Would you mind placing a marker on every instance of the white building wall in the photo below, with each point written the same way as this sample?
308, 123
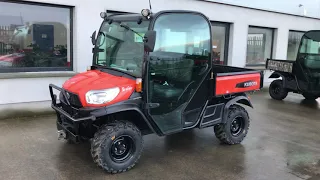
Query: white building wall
86, 19
238, 45
309, 8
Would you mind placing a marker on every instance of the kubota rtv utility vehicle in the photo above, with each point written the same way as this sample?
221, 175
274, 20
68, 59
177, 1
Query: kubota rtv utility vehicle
302, 75
151, 73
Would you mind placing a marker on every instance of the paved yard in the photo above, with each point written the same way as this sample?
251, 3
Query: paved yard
283, 143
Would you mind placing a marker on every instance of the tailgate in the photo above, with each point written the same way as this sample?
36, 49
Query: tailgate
280, 65
228, 84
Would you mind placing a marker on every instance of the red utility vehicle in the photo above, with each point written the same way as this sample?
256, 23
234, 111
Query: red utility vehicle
151, 73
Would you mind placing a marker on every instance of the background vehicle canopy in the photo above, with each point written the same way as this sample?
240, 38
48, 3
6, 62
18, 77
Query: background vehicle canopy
120, 48
309, 51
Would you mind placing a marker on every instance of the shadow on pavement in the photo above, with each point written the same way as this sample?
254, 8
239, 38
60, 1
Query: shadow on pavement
310, 103
183, 140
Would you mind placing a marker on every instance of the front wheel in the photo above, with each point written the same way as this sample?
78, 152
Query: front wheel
117, 147
236, 127
277, 91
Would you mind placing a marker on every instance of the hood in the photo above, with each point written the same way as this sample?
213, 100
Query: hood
81, 83
11, 57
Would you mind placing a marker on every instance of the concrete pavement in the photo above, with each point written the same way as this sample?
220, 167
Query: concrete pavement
283, 143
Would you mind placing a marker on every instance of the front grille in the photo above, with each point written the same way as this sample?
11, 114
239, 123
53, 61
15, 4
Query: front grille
73, 99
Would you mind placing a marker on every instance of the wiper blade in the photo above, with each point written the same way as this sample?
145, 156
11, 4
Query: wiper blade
114, 69
128, 28
107, 35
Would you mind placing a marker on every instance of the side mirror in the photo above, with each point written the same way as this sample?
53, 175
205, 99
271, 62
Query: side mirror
93, 38
149, 40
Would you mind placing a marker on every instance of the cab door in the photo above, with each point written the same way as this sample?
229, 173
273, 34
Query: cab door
178, 70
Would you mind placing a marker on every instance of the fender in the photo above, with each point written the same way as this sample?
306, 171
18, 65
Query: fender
276, 75
129, 105
239, 99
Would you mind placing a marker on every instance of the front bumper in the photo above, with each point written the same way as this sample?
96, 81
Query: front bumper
74, 122
78, 121
65, 108
68, 134
64, 113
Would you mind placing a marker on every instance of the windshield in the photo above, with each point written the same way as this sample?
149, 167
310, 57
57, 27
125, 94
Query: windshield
310, 50
121, 46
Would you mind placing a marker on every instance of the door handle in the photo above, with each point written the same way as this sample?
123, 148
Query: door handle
152, 105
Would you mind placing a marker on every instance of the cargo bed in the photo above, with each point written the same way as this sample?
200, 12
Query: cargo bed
231, 80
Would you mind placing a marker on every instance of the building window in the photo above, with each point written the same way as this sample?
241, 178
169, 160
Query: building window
35, 37
259, 46
293, 44
220, 40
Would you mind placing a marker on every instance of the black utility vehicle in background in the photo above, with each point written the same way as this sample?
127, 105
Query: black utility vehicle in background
301, 76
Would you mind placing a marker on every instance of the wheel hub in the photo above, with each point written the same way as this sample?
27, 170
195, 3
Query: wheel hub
276, 89
121, 148
237, 126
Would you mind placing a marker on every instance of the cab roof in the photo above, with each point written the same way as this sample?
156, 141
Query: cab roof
125, 17
138, 16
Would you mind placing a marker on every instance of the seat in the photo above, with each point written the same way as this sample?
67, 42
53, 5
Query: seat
312, 63
166, 91
177, 74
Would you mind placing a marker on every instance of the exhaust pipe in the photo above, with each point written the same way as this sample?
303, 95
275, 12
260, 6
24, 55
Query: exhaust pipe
62, 134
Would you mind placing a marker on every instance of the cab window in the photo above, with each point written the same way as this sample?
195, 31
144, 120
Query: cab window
309, 52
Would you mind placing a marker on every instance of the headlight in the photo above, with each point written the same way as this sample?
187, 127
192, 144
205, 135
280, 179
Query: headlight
101, 96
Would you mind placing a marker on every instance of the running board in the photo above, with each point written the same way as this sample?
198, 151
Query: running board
212, 115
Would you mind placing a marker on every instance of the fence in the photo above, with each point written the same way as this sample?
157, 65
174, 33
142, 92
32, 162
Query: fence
6, 33
255, 48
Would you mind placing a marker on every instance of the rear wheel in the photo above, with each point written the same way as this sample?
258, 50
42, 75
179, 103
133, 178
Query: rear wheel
117, 147
236, 127
277, 91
